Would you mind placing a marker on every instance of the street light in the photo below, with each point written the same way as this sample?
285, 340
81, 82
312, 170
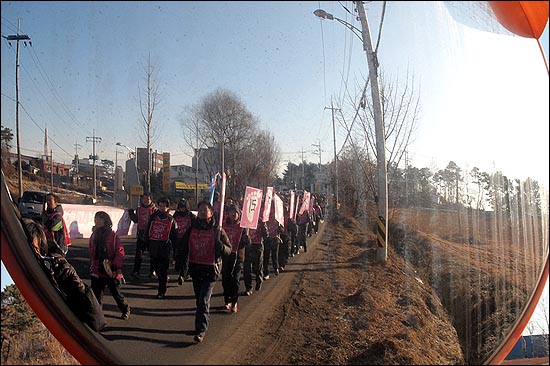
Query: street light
382, 178
131, 152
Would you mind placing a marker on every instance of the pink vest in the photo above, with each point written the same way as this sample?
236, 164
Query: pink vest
183, 224
160, 229
201, 247
144, 214
234, 232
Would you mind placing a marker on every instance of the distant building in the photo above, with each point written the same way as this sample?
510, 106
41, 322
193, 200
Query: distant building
530, 346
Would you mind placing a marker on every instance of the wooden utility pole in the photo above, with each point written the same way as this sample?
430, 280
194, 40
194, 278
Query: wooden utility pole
18, 37
381, 168
337, 201
93, 139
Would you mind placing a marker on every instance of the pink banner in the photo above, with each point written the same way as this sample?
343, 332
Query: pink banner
279, 209
251, 207
291, 211
267, 203
305, 202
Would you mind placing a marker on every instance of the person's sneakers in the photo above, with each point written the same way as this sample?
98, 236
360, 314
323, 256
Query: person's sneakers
248, 292
153, 275
276, 271
281, 269
258, 286
135, 275
227, 306
266, 277
160, 296
234, 308
126, 314
198, 338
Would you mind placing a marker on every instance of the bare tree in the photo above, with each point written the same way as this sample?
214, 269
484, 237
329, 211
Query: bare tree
222, 123
149, 99
401, 110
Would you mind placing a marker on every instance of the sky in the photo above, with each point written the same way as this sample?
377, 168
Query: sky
483, 95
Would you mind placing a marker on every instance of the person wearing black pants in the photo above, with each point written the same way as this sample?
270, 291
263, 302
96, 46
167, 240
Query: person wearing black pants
232, 265
161, 233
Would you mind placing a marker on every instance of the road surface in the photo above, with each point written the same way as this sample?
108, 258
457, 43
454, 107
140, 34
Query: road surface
159, 331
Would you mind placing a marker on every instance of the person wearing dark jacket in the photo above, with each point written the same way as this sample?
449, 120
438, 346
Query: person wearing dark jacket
161, 232
232, 265
184, 219
77, 295
55, 227
204, 245
106, 261
141, 216
254, 257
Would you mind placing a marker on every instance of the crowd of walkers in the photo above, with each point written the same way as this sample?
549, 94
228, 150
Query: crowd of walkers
202, 248
206, 248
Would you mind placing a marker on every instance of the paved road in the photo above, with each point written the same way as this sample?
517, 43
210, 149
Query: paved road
159, 331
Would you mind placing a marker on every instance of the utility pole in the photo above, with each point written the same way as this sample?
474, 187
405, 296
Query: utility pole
51, 169
76, 159
382, 173
337, 202
93, 139
318, 152
303, 171
18, 37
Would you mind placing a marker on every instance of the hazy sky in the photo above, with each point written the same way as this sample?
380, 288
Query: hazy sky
86, 66
484, 96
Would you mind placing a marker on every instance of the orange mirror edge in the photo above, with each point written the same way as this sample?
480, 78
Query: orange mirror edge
500, 354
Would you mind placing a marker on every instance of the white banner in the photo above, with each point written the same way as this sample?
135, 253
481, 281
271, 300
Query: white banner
267, 203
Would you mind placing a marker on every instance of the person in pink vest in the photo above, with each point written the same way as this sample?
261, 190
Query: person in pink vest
184, 219
232, 265
106, 261
141, 216
204, 245
160, 233
271, 246
254, 257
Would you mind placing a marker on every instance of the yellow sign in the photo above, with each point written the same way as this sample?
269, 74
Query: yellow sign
181, 185
136, 190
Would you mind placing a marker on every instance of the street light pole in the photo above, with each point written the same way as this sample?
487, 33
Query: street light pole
381, 168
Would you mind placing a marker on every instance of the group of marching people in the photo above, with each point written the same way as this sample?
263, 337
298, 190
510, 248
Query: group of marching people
206, 248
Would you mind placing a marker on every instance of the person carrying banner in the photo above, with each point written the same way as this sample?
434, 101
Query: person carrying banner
204, 245
302, 220
141, 216
271, 249
232, 265
284, 246
254, 254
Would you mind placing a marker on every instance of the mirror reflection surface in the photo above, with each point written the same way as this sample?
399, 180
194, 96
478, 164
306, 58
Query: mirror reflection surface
269, 89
